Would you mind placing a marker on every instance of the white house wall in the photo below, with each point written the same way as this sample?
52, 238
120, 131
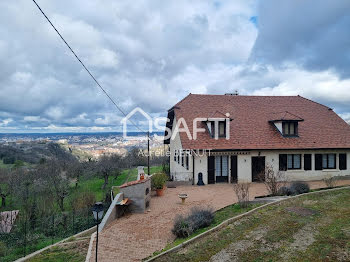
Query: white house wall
279, 126
201, 166
244, 165
177, 171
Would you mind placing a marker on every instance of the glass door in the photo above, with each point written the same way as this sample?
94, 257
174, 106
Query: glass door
221, 169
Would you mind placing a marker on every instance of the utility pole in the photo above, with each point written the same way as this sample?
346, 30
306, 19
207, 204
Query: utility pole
148, 153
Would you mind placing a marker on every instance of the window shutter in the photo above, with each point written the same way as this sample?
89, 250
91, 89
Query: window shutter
318, 161
342, 161
187, 161
307, 162
283, 162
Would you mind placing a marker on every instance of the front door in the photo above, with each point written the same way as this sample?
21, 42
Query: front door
258, 167
221, 169
211, 170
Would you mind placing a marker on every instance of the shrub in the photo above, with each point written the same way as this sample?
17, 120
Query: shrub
285, 191
18, 164
242, 193
158, 180
198, 218
182, 228
299, 188
330, 181
272, 180
201, 217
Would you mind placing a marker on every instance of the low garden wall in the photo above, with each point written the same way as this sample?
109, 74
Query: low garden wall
112, 212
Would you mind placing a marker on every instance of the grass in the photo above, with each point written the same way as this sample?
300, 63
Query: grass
2, 165
10, 166
275, 233
75, 252
17, 252
95, 184
220, 216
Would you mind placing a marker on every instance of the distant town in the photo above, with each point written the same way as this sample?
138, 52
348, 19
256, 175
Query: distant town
87, 145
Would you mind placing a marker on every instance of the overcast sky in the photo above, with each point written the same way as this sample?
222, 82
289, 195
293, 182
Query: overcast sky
151, 54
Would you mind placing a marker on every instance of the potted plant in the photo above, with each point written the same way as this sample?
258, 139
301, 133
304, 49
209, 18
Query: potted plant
158, 183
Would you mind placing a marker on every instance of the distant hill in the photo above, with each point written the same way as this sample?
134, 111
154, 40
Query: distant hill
32, 152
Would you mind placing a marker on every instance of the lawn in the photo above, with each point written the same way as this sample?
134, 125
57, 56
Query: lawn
74, 252
309, 228
220, 216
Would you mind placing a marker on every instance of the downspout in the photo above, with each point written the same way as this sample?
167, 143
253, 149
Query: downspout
193, 169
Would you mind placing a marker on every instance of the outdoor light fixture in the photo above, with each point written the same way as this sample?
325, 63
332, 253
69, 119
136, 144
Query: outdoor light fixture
97, 211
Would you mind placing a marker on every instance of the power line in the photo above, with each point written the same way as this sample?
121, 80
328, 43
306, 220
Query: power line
87, 70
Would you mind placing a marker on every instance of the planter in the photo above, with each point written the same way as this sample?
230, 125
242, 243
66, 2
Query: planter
160, 192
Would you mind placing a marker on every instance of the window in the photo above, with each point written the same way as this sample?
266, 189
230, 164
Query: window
290, 128
217, 166
221, 129
290, 161
307, 162
183, 158
325, 161
342, 161
175, 153
178, 157
328, 161
221, 166
294, 161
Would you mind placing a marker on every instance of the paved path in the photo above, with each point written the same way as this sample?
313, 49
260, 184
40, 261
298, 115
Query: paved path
137, 236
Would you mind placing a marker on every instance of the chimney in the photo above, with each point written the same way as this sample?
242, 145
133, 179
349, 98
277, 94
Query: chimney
232, 94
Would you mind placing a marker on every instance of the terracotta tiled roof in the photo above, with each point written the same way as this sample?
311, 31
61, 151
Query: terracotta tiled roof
279, 116
131, 183
251, 129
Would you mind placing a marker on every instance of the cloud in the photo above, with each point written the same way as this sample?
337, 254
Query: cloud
346, 117
152, 54
311, 33
5, 122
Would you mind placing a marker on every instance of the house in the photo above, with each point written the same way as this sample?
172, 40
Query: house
240, 135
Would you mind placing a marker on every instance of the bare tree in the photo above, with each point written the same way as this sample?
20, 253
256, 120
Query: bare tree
242, 192
330, 181
106, 166
55, 179
75, 170
273, 180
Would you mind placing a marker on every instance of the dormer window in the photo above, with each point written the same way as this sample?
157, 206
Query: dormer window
221, 128
290, 128
286, 123
218, 125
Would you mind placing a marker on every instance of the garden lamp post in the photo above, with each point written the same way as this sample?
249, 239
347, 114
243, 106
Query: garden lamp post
97, 211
